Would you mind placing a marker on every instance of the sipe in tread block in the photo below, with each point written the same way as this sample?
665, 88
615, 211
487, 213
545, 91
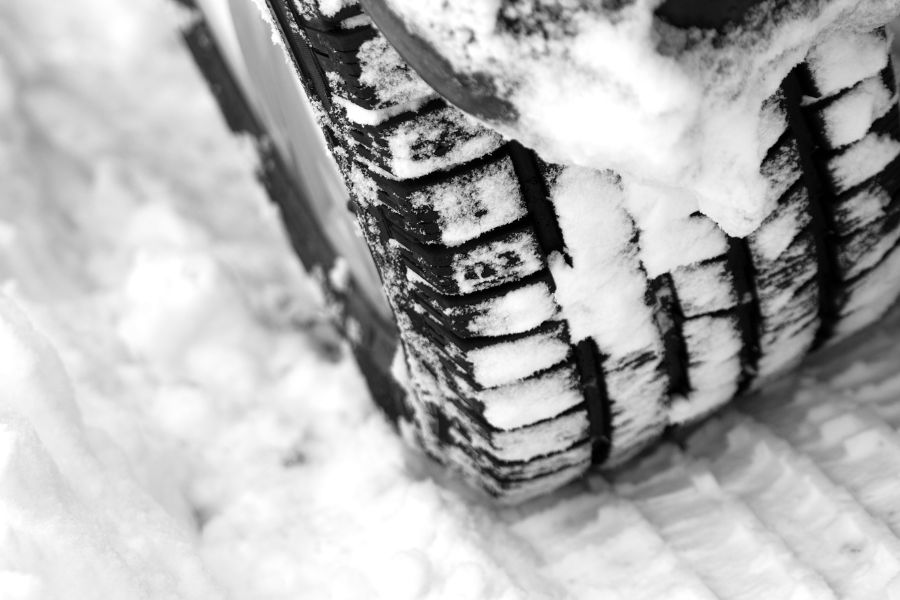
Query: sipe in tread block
476, 250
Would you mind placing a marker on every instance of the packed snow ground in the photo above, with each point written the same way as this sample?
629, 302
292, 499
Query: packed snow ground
177, 420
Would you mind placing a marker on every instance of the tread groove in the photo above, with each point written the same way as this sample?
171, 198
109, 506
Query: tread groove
549, 236
589, 363
537, 200
671, 324
822, 221
749, 317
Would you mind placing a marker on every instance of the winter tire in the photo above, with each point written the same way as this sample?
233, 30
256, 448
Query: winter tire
485, 364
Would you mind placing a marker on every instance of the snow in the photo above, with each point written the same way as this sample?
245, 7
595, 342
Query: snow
862, 160
393, 81
607, 86
704, 288
850, 117
507, 259
612, 311
544, 441
672, 236
782, 228
715, 369
397, 87
365, 116
474, 203
846, 57
411, 144
863, 207
517, 311
508, 362
520, 405
772, 122
178, 420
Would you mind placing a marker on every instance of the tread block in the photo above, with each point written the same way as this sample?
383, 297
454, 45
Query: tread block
518, 406
512, 449
774, 120
461, 206
789, 305
714, 346
864, 248
861, 208
429, 141
473, 365
845, 58
847, 117
867, 158
704, 287
385, 80
530, 401
374, 78
781, 167
784, 344
509, 361
513, 310
681, 242
791, 271
870, 295
638, 381
495, 458
778, 232
482, 265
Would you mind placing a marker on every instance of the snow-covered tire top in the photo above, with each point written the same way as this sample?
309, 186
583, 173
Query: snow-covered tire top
535, 339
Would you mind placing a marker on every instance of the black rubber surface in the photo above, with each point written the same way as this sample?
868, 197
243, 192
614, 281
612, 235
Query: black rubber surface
706, 14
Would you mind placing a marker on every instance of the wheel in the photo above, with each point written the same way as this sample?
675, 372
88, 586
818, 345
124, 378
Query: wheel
531, 336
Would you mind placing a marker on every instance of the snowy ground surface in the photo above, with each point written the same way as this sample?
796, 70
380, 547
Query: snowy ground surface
178, 421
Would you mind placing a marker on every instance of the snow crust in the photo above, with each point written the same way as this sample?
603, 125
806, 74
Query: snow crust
613, 88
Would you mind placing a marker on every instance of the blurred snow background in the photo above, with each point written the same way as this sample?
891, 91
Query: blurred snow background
177, 420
